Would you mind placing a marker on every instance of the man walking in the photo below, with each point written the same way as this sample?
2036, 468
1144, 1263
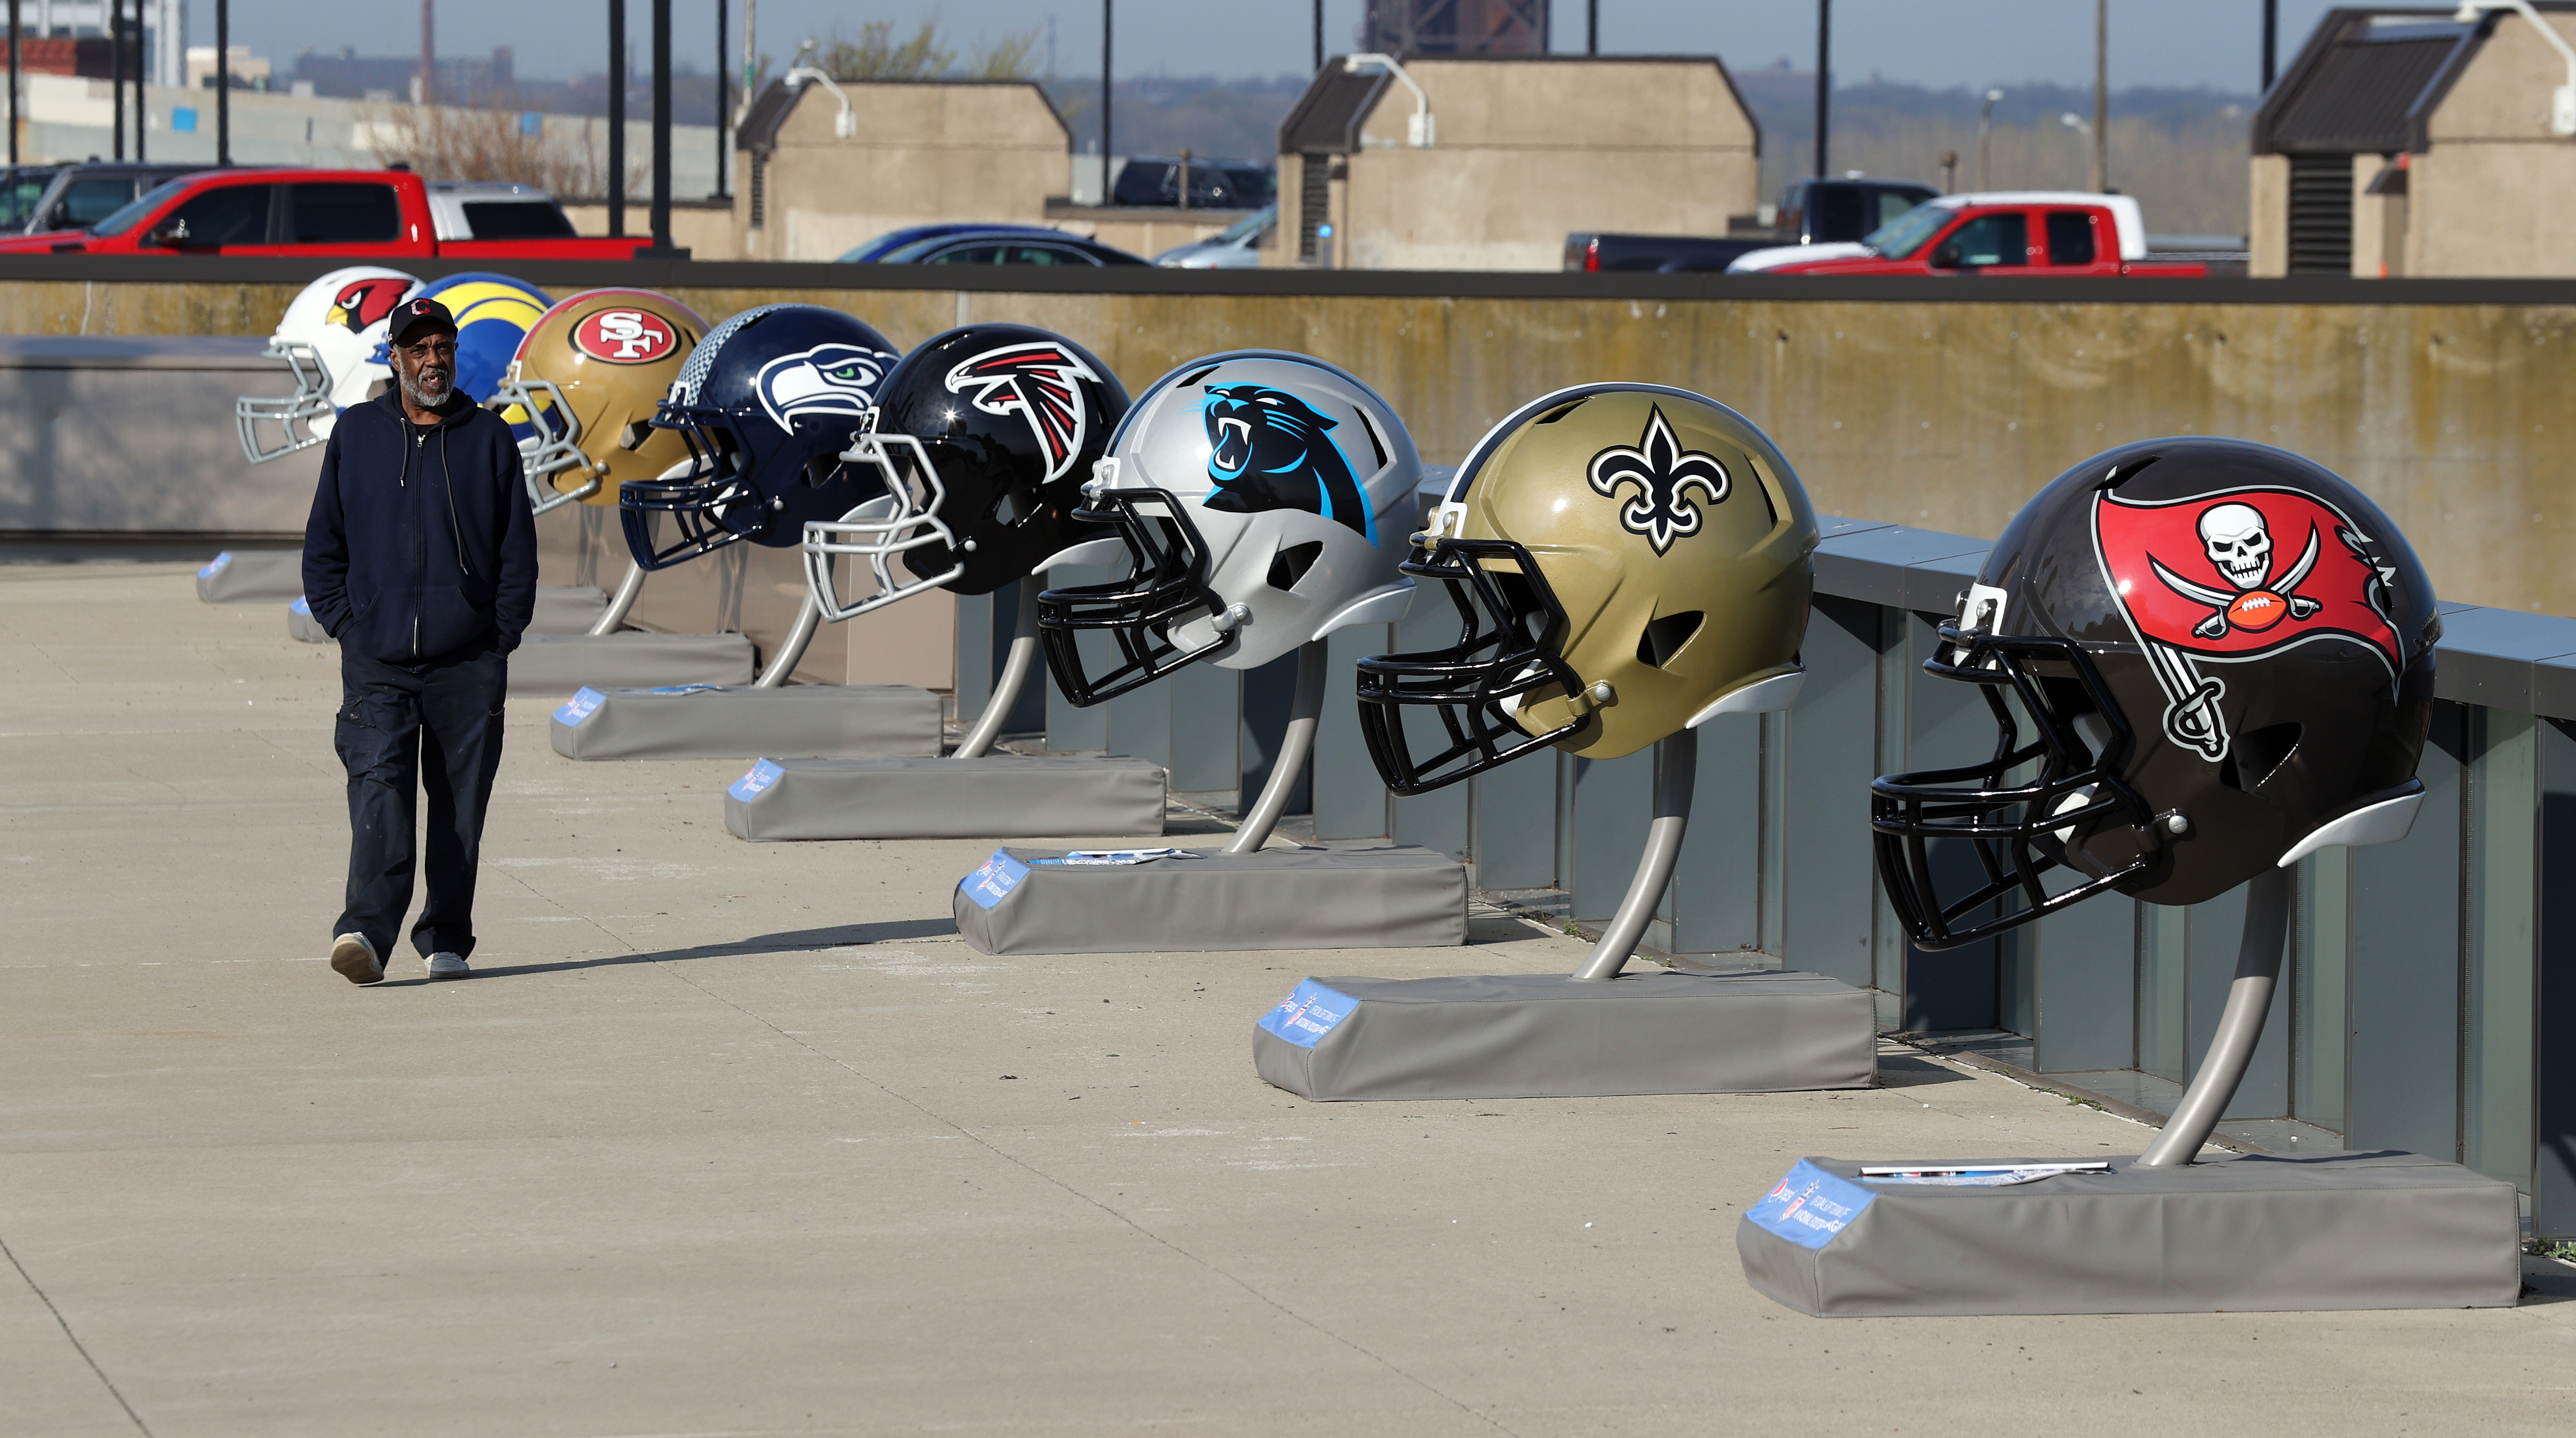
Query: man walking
421, 559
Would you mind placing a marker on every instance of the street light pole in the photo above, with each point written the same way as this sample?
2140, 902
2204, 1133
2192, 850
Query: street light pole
616, 119
1592, 27
662, 129
721, 86
2271, 39
1106, 17
1985, 142
2101, 95
1824, 76
223, 81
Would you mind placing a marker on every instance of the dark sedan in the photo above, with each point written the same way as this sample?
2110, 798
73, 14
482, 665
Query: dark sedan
986, 245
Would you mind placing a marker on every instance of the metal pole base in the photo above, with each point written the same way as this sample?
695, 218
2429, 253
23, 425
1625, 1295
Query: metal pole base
1015, 674
614, 617
791, 650
1294, 746
2240, 1024
1676, 774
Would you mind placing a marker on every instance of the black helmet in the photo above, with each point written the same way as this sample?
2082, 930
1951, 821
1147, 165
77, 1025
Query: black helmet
983, 437
2225, 655
767, 402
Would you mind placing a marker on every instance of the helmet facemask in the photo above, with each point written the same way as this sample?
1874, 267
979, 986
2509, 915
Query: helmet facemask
293, 415
1165, 587
706, 496
904, 519
554, 445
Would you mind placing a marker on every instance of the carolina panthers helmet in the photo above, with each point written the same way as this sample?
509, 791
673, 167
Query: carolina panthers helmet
1264, 501
493, 313
331, 338
984, 436
1627, 561
765, 405
2224, 653
588, 377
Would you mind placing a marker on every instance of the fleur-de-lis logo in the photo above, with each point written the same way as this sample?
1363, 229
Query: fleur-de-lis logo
1664, 473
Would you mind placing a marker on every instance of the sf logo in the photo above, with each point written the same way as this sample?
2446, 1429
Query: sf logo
631, 334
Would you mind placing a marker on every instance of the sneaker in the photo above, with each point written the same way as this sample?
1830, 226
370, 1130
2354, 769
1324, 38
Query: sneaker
356, 960
444, 965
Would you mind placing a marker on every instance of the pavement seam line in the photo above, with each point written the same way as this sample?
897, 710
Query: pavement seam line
77, 1346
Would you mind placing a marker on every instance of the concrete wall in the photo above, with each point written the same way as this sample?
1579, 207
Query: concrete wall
2268, 225
1526, 151
2496, 192
921, 153
705, 228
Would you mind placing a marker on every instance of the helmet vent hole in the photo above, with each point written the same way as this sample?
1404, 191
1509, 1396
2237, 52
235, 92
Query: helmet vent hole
1290, 565
1376, 445
1665, 637
1009, 508
2122, 473
1191, 381
1558, 413
2257, 755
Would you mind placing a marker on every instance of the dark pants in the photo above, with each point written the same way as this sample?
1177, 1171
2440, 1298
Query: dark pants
399, 731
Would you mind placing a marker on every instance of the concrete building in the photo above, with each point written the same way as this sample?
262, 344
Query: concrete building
1496, 159
824, 166
2409, 142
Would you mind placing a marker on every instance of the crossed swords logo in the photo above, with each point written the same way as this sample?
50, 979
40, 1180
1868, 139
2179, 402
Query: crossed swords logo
2239, 545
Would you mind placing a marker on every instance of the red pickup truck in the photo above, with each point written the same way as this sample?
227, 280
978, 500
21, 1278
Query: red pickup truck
2024, 233
357, 214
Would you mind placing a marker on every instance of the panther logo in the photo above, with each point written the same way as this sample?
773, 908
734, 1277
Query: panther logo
1664, 474
1037, 382
1268, 449
362, 304
827, 379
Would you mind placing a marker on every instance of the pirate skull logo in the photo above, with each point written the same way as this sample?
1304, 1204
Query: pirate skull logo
2238, 541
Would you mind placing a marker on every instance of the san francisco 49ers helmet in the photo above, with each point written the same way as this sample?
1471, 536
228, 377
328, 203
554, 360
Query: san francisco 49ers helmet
587, 379
2224, 654
1264, 499
765, 405
331, 337
1627, 561
984, 437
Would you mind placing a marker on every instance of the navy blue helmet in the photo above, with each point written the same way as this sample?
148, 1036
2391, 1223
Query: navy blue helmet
767, 402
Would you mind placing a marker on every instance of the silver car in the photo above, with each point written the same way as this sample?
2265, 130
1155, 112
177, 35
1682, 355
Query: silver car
1236, 248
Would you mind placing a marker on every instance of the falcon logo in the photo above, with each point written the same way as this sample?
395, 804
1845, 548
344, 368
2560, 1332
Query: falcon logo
1035, 381
827, 379
1268, 449
363, 304
625, 336
1664, 474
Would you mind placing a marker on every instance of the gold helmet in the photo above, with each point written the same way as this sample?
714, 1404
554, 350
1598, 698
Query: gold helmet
584, 382
1628, 561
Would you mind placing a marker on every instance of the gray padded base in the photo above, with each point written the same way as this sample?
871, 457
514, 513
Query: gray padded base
302, 627
561, 609
562, 663
1548, 1036
238, 576
828, 721
2261, 1232
999, 796
1391, 898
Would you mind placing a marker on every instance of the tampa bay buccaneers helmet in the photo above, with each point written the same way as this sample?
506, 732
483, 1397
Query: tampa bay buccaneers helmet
2224, 654
331, 337
1264, 500
587, 379
1627, 561
764, 405
983, 437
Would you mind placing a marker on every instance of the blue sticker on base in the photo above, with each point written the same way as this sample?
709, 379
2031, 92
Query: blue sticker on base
683, 688
584, 702
756, 783
217, 567
1810, 1206
992, 883
300, 607
1308, 1014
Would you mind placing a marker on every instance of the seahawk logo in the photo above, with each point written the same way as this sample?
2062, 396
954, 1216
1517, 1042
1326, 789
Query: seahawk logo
827, 379
1037, 382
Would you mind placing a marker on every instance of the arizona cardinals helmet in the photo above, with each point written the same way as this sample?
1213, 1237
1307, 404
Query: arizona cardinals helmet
588, 377
2224, 653
1264, 501
331, 337
1627, 561
984, 437
765, 405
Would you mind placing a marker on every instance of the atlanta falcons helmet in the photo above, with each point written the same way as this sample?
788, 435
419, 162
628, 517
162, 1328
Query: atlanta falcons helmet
1627, 561
764, 405
587, 379
331, 338
984, 437
1264, 500
2224, 656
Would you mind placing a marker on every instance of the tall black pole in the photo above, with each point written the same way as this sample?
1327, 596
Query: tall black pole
1824, 76
116, 68
13, 81
1319, 34
662, 127
2271, 39
141, 111
223, 81
1106, 6
616, 118
1592, 27
721, 86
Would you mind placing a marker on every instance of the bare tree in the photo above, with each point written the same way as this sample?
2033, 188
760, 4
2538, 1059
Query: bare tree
496, 141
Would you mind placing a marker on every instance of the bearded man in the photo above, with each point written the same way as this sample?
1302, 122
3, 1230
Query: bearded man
421, 559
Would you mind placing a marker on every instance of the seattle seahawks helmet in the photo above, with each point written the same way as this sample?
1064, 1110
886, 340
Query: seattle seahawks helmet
590, 370
1264, 500
332, 338
984, 437
766, 404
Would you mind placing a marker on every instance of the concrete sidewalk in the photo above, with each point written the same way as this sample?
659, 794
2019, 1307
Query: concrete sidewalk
727, 1138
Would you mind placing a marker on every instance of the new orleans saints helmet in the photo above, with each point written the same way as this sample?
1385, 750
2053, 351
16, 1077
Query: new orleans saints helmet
1627, 561
586, 381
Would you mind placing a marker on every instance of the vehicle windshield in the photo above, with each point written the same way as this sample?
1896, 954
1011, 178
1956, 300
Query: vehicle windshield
133, 214
1908, 232
1249, 226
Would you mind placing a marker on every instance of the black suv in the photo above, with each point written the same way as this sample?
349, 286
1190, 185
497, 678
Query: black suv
37, 199
1151, 180
1817, 212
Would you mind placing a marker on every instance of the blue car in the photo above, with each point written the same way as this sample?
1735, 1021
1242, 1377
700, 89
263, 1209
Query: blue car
985, 245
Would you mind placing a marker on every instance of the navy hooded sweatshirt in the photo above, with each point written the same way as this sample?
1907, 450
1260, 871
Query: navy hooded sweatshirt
421, 545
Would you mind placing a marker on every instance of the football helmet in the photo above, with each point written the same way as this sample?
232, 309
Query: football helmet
332, 337
764, 405
1264, 500
984, 437
587, 379
1627, 561
493, 313
2224, 654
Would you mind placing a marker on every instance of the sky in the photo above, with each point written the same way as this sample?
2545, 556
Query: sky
1962, 43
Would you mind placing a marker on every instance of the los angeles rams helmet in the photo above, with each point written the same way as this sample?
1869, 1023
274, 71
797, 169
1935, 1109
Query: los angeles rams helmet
331, 337
588, 377
493, 313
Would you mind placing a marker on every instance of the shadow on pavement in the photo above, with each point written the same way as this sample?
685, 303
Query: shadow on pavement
789, 942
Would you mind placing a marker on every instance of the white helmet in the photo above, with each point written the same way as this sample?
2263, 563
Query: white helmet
328, 337
1265, 500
